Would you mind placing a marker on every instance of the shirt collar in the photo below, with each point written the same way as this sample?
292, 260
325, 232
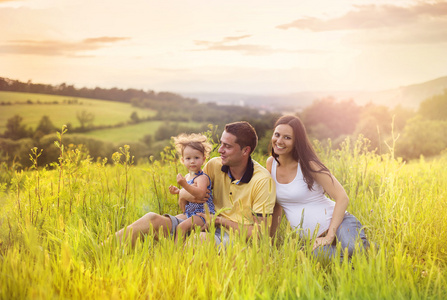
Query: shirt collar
247, 175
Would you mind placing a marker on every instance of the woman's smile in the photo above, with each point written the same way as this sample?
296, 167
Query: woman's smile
282, 139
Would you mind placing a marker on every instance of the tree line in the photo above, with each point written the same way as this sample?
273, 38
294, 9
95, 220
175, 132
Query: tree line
404, 132
407, 133
112, 94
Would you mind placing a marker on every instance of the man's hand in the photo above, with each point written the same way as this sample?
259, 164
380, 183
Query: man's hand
186, 196
209, 218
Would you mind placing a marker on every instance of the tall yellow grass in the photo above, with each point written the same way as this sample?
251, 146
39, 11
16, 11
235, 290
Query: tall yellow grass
54, 251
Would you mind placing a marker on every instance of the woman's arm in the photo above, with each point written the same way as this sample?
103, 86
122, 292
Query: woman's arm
336, 191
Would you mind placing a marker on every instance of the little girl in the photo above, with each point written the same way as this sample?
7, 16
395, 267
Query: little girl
194, 149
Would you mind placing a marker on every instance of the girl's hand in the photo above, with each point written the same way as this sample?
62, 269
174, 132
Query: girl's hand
181, 180
174, 190
322, 241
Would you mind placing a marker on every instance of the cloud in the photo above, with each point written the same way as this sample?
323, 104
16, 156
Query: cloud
104, 39
373, 16
427, 34
228, 44
235, 38
58, 48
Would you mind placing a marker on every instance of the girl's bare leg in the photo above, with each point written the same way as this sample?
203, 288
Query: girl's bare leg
188, 225
144, 225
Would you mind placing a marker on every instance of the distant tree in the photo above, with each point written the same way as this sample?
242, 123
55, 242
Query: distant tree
45, 126
16, 151
85, 118
374, 124
15, 130
134, 117
422, 137
147, 139
330, 118
401, 116
435, 108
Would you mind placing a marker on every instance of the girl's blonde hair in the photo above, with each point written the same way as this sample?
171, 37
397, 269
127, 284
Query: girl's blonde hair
196, 141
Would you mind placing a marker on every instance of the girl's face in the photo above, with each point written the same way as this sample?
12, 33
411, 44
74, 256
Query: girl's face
283, 139
193, 159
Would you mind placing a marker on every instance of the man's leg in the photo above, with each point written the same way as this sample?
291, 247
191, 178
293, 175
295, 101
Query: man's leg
143, 226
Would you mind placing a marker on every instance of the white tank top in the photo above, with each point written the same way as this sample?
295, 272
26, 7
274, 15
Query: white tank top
310, 211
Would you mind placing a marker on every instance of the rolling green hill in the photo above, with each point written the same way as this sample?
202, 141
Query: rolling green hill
131, 133
63, 110
112, 126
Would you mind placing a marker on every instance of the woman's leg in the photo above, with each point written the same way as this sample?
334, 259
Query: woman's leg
143, 225
348, 233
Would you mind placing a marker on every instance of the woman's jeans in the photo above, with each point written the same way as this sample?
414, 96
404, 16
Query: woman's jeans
348, 233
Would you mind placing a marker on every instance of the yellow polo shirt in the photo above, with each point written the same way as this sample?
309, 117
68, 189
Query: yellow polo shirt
254, 194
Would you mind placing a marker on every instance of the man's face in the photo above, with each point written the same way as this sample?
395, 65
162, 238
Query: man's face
230, 152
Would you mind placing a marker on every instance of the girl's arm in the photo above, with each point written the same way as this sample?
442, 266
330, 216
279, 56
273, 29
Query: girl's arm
336, 191
199, 190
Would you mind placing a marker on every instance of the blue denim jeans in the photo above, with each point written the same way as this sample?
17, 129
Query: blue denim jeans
348, 233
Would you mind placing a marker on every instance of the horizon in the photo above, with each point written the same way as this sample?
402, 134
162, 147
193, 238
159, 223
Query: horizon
251, 48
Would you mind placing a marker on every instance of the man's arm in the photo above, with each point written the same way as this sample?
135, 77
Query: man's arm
228, 224
198, 189
185, 196
259, 222
276, 219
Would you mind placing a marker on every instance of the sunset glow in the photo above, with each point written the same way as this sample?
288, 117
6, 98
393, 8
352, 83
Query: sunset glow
224, 46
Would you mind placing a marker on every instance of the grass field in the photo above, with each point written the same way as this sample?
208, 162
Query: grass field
53, 223
132, 132
105, 112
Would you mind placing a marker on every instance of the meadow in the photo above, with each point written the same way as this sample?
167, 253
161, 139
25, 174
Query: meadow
54, 220
134, 132
64, 109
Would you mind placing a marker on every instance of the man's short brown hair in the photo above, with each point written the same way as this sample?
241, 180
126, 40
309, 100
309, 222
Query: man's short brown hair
245, 134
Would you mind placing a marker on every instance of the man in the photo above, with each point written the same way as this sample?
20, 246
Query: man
241, 186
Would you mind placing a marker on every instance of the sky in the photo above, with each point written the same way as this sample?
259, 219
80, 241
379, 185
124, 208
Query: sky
231, 46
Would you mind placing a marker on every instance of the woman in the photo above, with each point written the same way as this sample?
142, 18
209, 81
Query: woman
301, 181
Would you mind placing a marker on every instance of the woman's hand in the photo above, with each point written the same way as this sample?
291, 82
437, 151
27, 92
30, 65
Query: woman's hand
322, 241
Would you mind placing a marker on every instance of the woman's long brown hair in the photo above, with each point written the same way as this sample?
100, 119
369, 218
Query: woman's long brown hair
302, 152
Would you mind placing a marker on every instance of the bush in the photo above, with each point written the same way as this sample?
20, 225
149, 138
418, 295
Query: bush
16, 151
422, 137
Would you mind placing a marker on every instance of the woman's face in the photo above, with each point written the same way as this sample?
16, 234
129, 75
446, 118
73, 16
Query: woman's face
283, 139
